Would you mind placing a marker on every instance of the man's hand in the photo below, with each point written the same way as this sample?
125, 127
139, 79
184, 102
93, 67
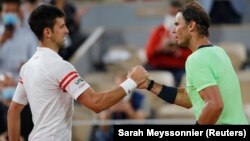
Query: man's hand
144, 85
138, 74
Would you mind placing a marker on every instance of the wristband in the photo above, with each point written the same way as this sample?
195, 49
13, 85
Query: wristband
168, 94
128, 85
151, 84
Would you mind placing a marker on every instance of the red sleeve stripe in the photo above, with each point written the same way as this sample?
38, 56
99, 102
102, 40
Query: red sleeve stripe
72, 78
66, 77
21, 80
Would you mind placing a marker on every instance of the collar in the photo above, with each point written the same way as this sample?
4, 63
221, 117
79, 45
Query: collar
49, 51
202, 46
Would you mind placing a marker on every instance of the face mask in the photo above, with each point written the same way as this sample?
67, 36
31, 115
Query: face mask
8, 93
10, 18
169, 22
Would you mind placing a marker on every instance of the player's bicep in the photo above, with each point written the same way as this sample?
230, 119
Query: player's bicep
88, 98
75, 86
69, 80
211, 93
17, 107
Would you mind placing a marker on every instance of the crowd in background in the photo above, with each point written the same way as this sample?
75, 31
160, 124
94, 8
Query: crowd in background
18, 44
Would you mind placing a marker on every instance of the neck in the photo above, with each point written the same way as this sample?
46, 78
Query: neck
199, 41
49, 45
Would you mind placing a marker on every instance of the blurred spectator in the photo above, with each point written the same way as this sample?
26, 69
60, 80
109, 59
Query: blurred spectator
133, 106
27, 7
73, 16
225, 11
7, 89
171, 11
162, 51
6, 92
1, 22
17, 44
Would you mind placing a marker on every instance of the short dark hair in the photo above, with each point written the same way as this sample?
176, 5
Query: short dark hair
42, 17
194, 12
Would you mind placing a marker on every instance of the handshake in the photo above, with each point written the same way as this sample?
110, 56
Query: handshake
140, 76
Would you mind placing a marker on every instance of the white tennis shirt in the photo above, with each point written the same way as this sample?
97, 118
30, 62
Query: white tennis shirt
48, 83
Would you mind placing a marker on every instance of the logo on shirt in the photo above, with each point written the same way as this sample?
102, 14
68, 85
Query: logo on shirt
78, 81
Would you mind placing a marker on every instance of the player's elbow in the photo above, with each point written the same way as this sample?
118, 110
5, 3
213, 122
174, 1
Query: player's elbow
92, 105
218, 107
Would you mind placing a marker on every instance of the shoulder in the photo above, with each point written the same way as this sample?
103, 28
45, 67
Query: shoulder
23, 68
62, 65
60, 69
195, 59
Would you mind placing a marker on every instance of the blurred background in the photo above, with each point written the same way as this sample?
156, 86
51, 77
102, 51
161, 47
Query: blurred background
111, 36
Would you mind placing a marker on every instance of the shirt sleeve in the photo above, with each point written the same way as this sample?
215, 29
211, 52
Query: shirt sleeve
199, 73
20, 93
70, 81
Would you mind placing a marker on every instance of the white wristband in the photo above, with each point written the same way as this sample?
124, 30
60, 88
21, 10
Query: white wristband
128, 85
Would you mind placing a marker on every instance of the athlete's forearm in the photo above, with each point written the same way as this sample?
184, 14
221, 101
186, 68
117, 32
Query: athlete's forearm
14, 124
101, 101
181, 98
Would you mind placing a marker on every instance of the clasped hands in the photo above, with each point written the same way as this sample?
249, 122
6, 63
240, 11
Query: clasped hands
140, 76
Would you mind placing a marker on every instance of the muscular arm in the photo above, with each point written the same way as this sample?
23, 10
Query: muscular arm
213, 107
181, 99
14, 121
101, 101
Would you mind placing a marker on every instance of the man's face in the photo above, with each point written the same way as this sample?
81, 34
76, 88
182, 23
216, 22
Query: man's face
10, 13
181, 31
60, 31
10, 8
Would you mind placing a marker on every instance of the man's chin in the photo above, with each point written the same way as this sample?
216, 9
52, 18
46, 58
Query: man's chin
182, 45
62, 46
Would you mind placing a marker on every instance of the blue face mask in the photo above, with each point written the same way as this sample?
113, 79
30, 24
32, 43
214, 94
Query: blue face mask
8, 93
10, 18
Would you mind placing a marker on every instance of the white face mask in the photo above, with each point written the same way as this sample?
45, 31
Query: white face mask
10, 18
169, 22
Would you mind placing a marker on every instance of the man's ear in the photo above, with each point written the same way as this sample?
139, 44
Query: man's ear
192, 25
47, 32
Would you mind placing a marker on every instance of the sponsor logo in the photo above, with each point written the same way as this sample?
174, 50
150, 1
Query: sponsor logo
78, 81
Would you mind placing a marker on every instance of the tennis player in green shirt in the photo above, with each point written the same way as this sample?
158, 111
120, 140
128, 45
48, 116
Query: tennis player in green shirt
212, 89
